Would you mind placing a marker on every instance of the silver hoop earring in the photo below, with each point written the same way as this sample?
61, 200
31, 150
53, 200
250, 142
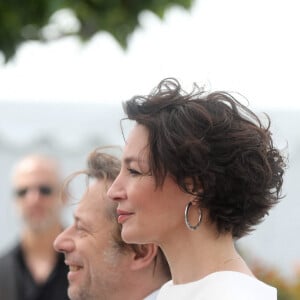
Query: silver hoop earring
186, 217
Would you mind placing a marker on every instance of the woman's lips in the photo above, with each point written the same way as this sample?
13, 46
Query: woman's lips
123, 215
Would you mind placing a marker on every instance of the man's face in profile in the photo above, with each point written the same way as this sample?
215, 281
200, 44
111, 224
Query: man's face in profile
92, 255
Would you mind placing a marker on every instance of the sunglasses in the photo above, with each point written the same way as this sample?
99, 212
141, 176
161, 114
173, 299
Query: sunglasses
44, 190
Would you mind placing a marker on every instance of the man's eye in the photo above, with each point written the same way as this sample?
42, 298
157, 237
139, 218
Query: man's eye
81, 231
79, 228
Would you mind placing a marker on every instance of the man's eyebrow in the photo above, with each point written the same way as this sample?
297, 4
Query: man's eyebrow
77, 218
81, 221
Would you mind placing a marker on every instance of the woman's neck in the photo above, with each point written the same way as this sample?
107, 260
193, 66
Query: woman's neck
192, 255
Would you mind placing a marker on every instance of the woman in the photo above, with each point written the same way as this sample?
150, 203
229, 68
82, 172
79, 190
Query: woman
198, 172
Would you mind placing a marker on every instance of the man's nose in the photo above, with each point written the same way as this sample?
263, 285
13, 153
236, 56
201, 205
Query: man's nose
33, 195
64, 242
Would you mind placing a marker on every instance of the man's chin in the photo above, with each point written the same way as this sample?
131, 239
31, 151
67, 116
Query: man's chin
76, 293
73, 293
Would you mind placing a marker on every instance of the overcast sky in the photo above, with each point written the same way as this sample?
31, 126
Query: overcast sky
248, 46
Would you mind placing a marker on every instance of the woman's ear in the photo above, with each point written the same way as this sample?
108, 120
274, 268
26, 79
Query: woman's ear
144, 256
192, 186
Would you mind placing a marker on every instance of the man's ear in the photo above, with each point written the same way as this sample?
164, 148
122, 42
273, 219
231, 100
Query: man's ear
144, 257
63, 195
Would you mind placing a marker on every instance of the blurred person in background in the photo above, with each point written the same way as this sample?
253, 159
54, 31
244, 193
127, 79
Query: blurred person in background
32, 269
101, 265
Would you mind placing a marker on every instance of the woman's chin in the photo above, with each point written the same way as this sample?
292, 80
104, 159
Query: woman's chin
130, 236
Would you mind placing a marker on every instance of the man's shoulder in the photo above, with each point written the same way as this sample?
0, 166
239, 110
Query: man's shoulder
8, 281
8, 256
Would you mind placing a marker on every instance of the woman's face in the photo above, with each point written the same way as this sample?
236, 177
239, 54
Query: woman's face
147, 214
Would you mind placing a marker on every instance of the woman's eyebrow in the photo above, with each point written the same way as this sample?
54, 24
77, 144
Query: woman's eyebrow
129, 159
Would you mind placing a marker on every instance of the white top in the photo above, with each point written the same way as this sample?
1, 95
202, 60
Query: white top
152, 296
225, 285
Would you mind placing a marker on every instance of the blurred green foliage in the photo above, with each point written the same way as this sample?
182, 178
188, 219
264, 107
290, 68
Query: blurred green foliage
23, 20
287, 288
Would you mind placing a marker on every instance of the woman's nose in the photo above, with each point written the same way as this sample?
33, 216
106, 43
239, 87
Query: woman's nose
116, 192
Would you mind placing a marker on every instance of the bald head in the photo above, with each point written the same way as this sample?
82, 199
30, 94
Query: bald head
35, 162
36, 182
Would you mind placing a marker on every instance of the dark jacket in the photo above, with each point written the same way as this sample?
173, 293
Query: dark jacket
16, 282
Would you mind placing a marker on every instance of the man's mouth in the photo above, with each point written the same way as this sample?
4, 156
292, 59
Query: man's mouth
73, 272
74, 268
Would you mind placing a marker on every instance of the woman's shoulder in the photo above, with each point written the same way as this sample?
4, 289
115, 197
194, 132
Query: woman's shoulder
220, 286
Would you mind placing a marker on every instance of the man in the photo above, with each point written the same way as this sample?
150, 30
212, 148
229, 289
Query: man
32, 270
101, 265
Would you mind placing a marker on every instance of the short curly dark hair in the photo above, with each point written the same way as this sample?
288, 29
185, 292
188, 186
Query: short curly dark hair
218, 143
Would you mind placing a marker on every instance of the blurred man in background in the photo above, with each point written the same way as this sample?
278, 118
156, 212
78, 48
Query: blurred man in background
102, 266
32, 270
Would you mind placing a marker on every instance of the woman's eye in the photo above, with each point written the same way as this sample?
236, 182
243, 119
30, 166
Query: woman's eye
133, 171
